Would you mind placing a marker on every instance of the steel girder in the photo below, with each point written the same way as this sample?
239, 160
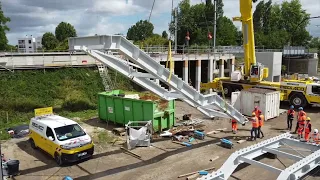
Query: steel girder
302, 166
182, 90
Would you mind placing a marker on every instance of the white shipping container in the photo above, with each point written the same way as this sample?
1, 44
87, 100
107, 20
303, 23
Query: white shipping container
268, 102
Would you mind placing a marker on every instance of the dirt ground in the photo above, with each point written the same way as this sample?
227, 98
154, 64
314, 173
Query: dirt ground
164, 160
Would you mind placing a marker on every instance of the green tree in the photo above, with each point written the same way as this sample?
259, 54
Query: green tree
154, 40
165, 35
198, 20
49, 41
226, 32
140, 31
258, 16
315, 42
293, 21
65, 30
3, 28
277, 25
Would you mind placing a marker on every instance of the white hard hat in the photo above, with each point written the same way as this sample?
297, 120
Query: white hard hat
315, 131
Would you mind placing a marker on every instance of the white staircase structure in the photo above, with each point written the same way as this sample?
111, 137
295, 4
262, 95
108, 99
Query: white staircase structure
99, 47
281, 145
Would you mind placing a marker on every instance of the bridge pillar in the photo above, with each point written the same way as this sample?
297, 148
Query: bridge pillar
221, 68
210, 71
198, 75
185, 71
231, 65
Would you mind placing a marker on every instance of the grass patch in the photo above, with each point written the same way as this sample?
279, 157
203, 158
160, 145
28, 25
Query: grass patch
72, 92
104, 137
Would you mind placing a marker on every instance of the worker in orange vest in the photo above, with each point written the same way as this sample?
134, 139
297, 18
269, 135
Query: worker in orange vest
290, 117
255, 126
307, 129
315, 136
302, 116
234, 126
257, 111
261, 123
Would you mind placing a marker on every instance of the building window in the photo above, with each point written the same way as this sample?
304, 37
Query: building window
30, 47
21, 42
29, 41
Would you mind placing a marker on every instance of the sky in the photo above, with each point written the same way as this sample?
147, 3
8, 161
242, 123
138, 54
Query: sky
89, 17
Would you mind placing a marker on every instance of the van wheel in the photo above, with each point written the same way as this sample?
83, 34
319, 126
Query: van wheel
58, 159
33, 145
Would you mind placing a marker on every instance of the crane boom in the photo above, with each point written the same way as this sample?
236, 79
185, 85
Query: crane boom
248, 34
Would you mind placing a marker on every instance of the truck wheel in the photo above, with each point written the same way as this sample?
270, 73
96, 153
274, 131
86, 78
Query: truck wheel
58, 159
298, 100
33, 145
227, 90
237, 88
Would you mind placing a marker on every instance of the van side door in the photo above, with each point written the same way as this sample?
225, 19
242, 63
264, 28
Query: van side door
50, 145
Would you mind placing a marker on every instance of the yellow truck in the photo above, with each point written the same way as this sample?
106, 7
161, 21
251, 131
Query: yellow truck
299, 93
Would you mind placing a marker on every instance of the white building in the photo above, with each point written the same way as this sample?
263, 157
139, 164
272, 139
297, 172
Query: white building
29, 44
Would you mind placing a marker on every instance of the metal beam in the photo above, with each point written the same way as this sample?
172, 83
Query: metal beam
260, 164
142, 75
296, 171
281, 153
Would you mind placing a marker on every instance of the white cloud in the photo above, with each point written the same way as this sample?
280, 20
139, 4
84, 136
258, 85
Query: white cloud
35, 17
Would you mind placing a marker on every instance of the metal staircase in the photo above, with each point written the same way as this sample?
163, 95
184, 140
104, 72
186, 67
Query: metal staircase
281, 146
98, 47
103, 71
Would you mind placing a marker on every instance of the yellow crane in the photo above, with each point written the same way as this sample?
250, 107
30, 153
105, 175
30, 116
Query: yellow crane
298, 93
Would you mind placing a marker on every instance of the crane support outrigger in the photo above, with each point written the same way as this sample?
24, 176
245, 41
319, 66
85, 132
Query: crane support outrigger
299, 93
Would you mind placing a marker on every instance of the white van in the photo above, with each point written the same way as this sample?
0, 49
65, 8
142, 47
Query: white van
62, 138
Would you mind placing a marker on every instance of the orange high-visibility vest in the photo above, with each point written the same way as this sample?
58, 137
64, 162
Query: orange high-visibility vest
307, 129
291, 112
302, 116
255, 122
261, 120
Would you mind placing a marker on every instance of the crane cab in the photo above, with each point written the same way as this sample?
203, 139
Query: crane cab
258, 72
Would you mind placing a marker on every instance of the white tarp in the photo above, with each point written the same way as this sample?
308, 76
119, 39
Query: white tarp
138, 134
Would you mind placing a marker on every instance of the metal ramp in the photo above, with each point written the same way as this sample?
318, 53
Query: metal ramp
98, 47
303, 164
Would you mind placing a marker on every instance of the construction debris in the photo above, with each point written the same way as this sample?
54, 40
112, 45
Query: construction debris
215, 158
226, 143
132, 153
222, 129
194, 176
196, 172
241, 141
212, 132
186, 117
183, 143
199, 135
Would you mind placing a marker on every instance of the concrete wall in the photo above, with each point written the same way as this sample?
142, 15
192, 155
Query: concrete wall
47, 60
302, 65
272, 60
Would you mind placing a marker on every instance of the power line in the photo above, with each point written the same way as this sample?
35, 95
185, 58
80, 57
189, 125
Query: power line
151, 9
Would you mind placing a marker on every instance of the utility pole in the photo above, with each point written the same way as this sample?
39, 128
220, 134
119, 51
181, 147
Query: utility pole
215, 26
175, 29
1, 173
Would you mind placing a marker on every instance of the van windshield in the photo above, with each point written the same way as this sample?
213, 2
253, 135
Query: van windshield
69, 132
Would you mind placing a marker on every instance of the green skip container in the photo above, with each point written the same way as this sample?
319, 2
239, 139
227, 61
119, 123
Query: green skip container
114, 107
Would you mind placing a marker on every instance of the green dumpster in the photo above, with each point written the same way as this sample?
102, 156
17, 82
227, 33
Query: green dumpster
114, 107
